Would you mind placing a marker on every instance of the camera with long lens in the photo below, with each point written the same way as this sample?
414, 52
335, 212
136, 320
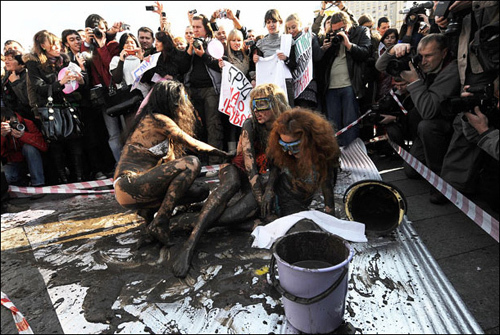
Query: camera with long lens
17, 125
398, 65
197, 43
483, 97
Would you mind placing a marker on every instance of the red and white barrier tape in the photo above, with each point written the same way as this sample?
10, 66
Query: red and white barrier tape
474, 212
394, 96
22, 325
82, 187
343, 130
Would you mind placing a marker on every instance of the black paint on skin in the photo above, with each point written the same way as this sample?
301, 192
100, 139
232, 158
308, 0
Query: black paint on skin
216, 210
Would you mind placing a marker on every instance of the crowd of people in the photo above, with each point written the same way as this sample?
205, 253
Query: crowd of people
431, 86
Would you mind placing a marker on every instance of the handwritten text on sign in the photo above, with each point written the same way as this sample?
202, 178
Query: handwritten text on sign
302, 75
235, 94
148, 63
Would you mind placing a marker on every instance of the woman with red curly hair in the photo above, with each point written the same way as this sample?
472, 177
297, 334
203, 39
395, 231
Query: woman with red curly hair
305, 156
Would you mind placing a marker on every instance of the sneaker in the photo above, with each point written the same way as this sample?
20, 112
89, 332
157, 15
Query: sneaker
100, 176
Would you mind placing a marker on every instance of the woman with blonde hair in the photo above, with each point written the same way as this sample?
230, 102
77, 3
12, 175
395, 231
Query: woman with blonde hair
304, 155
237, 56
268, 101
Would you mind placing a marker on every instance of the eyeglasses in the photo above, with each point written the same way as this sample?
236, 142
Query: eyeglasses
293, 147
262, 104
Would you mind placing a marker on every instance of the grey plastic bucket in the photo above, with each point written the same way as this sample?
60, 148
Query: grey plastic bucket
313, 272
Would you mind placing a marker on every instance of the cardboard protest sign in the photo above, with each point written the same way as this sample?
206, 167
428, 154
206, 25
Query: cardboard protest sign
234, 98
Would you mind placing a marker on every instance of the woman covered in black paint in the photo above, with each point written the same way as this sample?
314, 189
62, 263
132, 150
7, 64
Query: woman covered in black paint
268, 101
153, 172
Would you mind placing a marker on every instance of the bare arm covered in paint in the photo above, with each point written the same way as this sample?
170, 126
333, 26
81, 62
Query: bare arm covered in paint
246, 145
176, 134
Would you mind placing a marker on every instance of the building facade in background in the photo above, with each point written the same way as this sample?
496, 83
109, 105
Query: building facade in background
378, 9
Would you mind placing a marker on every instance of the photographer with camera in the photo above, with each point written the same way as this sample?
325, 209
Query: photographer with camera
345, 52
14, 89
433, 78
102, 49
22, 144
94, 132
400, 126
465, 165
415, 23
203, 81
485, 134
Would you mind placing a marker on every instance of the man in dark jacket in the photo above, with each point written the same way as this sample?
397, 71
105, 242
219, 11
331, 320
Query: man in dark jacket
22, 144
343, 62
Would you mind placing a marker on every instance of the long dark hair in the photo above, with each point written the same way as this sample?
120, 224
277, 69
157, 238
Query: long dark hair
169, 98
169, 48
389, 32
123, 40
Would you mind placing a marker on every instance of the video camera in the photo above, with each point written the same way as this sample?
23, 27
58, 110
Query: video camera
417, 8
396, 66
483, 97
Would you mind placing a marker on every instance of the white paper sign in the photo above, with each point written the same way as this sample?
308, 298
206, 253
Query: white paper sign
235, 94
148, 63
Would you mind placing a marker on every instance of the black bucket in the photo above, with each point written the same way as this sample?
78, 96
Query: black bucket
377, 204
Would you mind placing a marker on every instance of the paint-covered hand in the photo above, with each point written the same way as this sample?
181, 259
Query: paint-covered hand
267, 205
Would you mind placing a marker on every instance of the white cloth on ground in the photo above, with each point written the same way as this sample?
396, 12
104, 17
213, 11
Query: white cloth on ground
350, 230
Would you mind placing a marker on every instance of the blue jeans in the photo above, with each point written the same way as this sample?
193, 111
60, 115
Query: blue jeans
15, 171
342, 108
113, 127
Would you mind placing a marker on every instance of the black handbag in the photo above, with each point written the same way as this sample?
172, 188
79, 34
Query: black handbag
59, 121
122, 101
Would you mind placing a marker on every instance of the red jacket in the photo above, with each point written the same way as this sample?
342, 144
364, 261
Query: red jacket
12, 147
100, 62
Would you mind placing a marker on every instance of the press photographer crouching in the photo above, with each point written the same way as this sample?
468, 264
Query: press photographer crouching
396, 114
471, 162
431, 82
22, 144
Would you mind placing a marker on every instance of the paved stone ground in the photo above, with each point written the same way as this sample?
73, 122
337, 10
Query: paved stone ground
467, 255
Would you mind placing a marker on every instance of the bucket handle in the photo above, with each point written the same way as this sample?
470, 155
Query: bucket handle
299, 300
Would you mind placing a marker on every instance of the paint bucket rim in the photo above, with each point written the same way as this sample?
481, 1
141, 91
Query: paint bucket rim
346, 261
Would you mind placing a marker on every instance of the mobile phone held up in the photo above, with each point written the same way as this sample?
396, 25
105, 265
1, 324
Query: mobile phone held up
150, 8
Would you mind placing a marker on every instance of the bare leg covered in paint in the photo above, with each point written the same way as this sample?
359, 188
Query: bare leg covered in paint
210, 213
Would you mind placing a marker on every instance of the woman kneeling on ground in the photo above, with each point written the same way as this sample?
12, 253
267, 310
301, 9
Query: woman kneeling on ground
152, 172
304, 155
268, 101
